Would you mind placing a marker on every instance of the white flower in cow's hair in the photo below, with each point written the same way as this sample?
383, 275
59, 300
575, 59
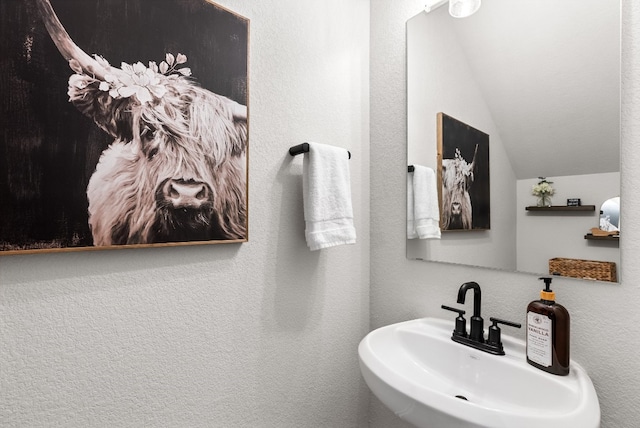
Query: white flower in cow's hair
543, 188
80, 81
140, 81
145, 83
170, 62
461, 164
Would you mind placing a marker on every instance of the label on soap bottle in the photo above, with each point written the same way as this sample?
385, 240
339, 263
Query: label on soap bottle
539, 340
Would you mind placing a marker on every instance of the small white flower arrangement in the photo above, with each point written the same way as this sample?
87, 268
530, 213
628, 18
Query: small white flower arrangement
142, 82
543, 190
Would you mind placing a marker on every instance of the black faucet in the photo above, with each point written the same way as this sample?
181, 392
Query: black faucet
475, 339
477, 323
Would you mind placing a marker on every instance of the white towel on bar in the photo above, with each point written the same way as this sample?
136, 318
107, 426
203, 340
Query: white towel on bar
328, 211
423, 213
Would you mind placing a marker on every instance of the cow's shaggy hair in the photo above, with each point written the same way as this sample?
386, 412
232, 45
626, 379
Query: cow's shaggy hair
189, 135
457, 177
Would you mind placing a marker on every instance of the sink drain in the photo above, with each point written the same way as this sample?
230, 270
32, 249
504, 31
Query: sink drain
462, 397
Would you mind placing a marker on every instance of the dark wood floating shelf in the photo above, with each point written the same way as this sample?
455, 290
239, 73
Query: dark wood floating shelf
562, 208
602, 238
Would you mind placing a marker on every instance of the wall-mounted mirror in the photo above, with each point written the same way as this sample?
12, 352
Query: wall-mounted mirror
542, 78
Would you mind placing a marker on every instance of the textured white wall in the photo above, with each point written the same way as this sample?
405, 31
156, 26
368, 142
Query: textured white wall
604, 316
261, 334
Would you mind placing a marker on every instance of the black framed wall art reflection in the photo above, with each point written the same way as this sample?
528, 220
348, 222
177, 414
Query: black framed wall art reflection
463, 176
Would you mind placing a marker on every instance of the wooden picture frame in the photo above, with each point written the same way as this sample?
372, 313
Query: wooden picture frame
463, 176
140, 142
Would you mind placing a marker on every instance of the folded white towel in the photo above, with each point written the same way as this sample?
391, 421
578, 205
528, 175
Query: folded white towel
411, 224
328, 212
423, 213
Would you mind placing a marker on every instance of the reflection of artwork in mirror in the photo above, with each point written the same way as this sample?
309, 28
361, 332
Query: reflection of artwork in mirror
463, 175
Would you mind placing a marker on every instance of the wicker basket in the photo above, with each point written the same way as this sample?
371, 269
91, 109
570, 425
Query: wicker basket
585, 269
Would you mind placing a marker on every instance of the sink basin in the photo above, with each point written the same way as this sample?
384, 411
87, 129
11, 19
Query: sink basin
417, 371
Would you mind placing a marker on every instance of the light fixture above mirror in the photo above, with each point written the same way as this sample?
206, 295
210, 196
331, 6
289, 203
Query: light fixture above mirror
457, 8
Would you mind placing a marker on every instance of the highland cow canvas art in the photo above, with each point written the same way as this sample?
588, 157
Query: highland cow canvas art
463, 176
124, 123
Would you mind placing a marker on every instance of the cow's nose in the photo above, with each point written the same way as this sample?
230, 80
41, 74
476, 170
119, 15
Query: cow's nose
185, 194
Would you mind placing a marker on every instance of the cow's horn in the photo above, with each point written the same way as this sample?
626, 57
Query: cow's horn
473, 162
239, 111
69, 50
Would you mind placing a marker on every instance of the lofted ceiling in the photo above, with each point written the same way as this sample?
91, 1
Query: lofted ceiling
549, 72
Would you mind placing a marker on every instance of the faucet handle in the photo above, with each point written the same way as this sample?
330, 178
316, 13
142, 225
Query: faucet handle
496, 321
461, 323
494, 330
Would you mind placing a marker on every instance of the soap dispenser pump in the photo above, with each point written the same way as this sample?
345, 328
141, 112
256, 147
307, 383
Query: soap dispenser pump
548, 333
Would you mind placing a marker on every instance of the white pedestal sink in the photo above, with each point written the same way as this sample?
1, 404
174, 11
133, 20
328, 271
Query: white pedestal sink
417, 371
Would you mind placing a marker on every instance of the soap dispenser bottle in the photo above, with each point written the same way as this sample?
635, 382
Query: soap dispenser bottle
548, 328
